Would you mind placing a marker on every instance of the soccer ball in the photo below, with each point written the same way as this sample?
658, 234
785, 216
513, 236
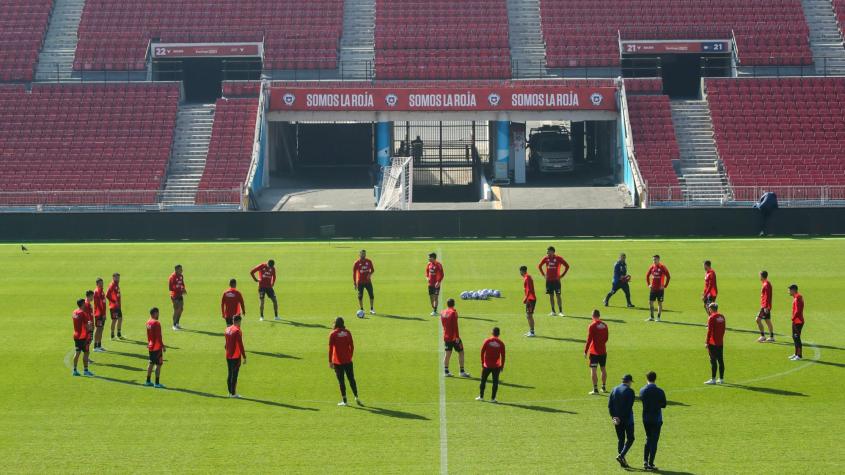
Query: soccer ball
497, 294
627, 278
359, 314
475, 296
464, 295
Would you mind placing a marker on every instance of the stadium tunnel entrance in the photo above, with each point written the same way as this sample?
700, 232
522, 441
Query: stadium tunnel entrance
202, 78
680, 63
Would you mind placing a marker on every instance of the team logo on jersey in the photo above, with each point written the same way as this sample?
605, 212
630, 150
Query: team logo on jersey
494, 99
391, 100
289, 99
596, 99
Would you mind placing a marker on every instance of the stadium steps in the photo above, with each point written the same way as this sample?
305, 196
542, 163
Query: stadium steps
528, 50
357, 45
55, 61
701, 172
188, 153
825, 37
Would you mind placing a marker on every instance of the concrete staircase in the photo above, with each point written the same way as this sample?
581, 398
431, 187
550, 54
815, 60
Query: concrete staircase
700, 170
825, 37
357, 45
188, 153
528, 51
55, 62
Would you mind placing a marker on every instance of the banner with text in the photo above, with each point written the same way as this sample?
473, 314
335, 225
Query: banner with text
673, 47
206, 50
439, 99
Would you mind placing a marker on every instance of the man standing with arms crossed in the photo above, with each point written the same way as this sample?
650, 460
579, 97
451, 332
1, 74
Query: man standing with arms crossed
492, 362
265, 286
654, 401
715, 344
530, 299
657, 279
176, 285
550, 268
232, 303
452, 338
115, 309
434, 276
620, 404
156, 348
99, 315
710, 292
797, 322
597, 335
620, 281
235, 353
765, 313
362, 273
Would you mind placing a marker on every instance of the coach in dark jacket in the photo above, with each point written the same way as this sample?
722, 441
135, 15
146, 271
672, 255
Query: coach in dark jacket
654, 401
621, 407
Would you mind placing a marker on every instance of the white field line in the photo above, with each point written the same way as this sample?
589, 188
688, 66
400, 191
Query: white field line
444, 433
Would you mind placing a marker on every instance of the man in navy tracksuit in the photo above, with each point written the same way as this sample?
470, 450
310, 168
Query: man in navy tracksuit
654, 400
620, 281
621, 408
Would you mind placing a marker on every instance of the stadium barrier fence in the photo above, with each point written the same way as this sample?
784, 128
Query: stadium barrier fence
788, 196
111, 200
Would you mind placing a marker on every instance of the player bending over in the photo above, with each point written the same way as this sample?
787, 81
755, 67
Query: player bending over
265, 286
597, 335
156, 348
550, 267
341, 349
362, 274
434, 276
80, 338
530, 299
452, 338
492, 363
765, 313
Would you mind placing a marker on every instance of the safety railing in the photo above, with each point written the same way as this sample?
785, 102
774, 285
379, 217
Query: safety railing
788, 196
123, 200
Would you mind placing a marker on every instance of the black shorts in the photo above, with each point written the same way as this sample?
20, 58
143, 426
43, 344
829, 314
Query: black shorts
796, 330
656, 295
553, 287
456, 345
432, 290
100, 322
178, 299
368, 287
81, 345
156, 357
598, 360
530, 305
229, 321
765, 314
708, 300
716, 352
115, 313
268, 291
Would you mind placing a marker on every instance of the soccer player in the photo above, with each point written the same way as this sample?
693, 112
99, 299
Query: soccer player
99, 315
550, 268
715, 344
434, 276
232, 303
710, 289
620, 281
265, 286
620, 404
657, 279
89, 316
362, 273
530, 299
176, 284
235, 353
156, 348
341, 349
765, 313
492, 362
797, 321
80, 338
115, 310
452, 338
654, 401
597, 335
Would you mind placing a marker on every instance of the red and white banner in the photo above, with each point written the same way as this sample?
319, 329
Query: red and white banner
680, 47
440, 99
206, 50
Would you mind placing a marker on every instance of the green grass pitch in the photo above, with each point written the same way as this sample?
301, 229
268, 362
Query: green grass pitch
777, 416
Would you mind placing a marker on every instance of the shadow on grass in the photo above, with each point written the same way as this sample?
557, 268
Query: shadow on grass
391, 413
479, 319
557, 338
501, 383
131, 342
677, 403
704, 325
145, 357
203, 332
299, 324
119, 366
531, 407
829, 363
612, 320
399, 317
275, 355
758, 389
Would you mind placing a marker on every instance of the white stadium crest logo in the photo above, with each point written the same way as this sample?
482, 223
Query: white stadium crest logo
289, 99
596, 99
494, 99
391, 100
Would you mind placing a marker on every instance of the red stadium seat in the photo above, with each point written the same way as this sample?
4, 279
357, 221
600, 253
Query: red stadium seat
655, 144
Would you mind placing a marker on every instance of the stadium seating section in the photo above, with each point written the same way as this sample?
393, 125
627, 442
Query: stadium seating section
839, 9
230, 151
442, 39
241, 89
655, 145
86, 139
644, 85
787, 131
114, 34
22, 27
582, 33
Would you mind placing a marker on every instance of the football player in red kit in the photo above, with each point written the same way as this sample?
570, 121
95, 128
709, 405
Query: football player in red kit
797, 322
99, 315
176, 285
80, 338
265, 286
232, 303
492, 363
597, 335
530, 299
362, 273
715, 344
452, 338
341, 349
434, 277
235, 354
657, 279
550, 268
710, 292
115, 305
765, 313
156, 349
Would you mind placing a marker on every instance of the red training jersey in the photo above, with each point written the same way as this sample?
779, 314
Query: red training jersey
798, 309
449, 320
268, 275
341, 346
362, 271
710, 289
493, 353
434, 273
657, 277
716, 329
80, 325
766, 295
234, 343
154, 342
113, 295
176, 284
232, 303
553, 267
528, 286
99, 302
597, 335
89, 311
